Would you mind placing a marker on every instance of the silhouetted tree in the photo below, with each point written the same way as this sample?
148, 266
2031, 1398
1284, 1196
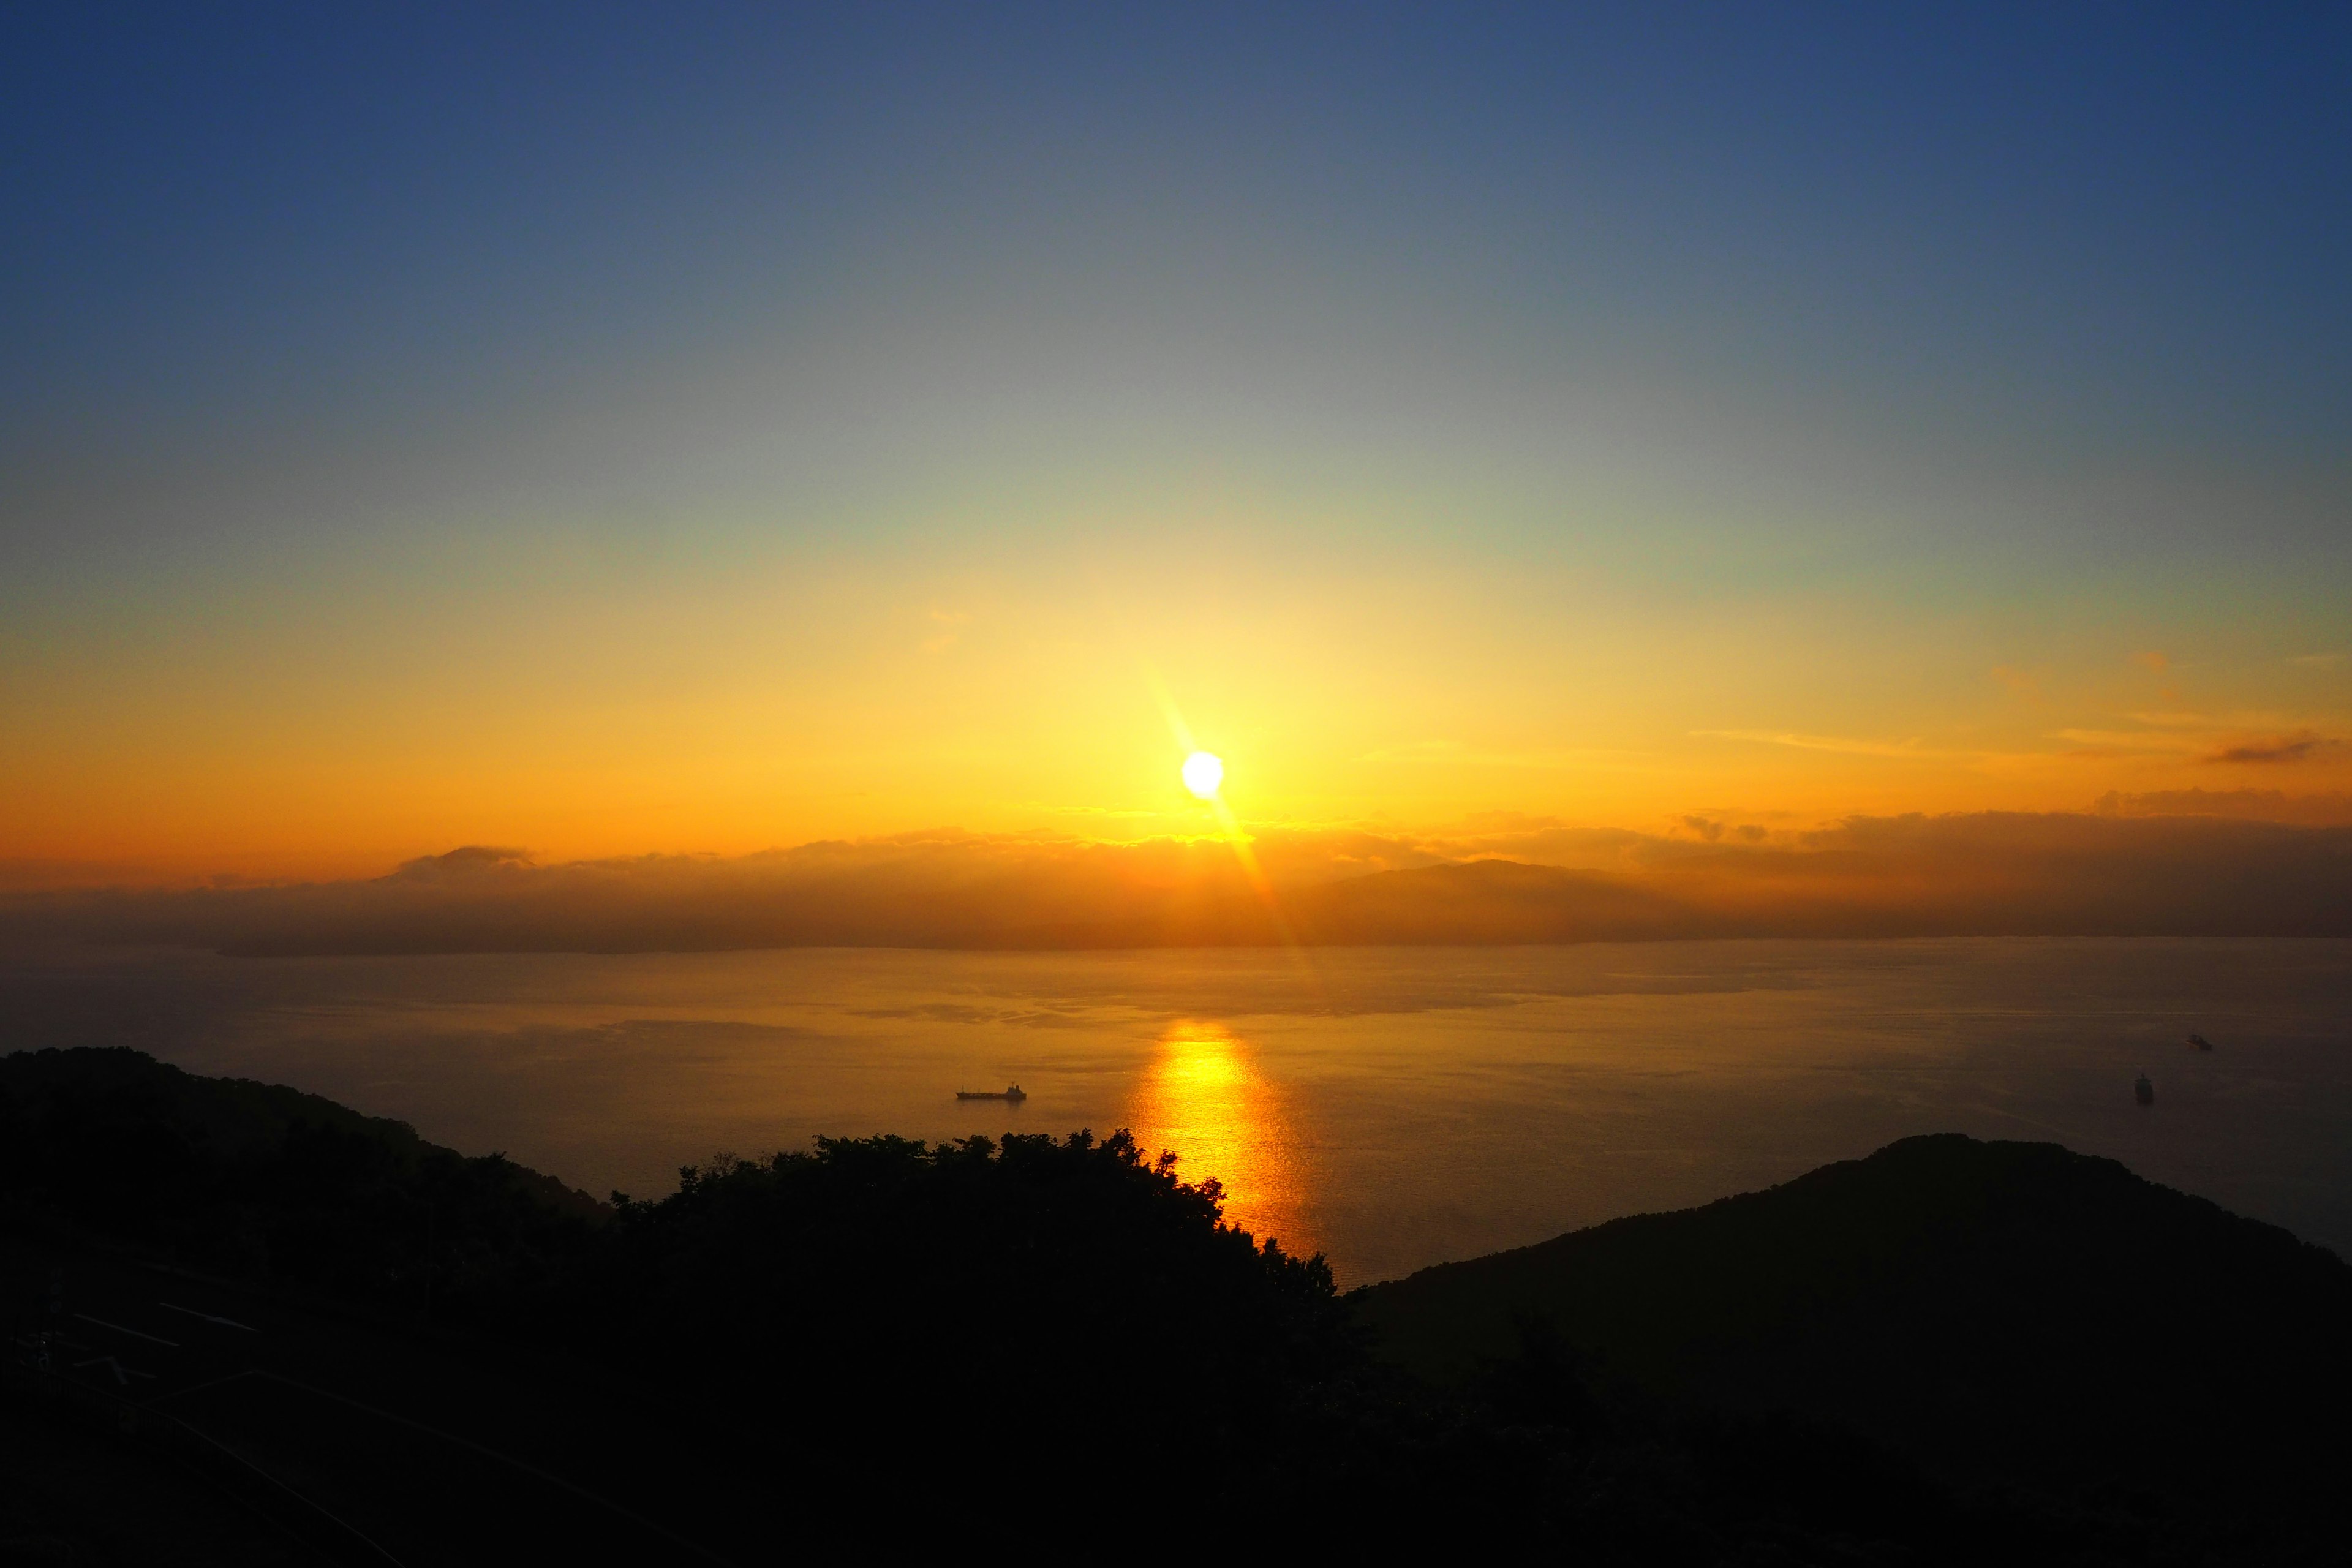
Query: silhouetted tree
871, 1339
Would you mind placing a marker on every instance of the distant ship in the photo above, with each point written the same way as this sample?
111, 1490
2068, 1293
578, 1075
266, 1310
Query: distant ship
2144, 1091
1011, 1092
2200, 1042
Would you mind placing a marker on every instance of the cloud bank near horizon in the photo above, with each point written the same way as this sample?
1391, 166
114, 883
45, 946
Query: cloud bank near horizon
2118, 870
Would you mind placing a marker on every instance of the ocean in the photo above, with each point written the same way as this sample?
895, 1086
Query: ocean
1390, 1108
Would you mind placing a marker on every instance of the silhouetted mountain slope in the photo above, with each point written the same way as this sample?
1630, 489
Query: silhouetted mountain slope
1949, 1353
2010, 1311
263, 1180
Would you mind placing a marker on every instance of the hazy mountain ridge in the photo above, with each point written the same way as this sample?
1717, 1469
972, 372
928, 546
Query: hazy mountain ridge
1986, 874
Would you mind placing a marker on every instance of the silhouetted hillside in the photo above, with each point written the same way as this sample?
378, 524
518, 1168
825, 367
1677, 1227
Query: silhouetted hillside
2006, 1312
875, 1334
1949, 1353
265, 1182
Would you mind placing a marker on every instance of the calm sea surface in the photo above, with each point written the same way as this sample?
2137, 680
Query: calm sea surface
1391, 1106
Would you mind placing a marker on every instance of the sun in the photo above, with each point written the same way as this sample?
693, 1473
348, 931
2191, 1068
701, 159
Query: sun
1203, 773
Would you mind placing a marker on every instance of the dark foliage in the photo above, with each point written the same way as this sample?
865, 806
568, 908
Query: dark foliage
1949, 1353
968, 1322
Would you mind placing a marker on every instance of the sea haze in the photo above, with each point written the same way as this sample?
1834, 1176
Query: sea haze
1393, 1107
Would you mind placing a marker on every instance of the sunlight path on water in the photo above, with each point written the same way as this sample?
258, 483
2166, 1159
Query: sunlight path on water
1204, 1100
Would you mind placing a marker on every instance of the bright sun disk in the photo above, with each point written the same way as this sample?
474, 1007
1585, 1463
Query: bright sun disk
1203, 773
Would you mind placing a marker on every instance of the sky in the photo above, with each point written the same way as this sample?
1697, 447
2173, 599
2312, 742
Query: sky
600, 431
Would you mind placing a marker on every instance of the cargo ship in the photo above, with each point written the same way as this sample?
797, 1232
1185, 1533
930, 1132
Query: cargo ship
1011, 1092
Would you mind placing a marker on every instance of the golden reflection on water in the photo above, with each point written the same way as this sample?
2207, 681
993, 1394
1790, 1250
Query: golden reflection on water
1203, 1097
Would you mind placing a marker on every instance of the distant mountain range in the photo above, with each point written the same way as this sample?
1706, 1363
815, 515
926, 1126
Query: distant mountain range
1982, 874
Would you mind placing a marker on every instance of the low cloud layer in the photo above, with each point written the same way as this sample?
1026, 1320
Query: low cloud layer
2112, 872
2326, 810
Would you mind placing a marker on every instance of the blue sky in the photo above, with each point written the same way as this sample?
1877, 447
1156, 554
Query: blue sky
368, 317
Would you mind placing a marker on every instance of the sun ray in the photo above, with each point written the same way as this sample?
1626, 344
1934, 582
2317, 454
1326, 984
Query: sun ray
1229, 826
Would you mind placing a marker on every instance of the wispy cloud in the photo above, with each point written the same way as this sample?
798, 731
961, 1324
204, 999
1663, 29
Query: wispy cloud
2116, 743
2299, 747
951, 624
1843, 743
2021, 682
1456, 754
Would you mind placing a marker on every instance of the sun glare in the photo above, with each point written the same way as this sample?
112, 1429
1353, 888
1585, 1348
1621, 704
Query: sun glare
1203, 773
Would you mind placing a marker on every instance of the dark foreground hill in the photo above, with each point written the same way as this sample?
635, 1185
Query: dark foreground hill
2009, 1314
867, 1342
266, 1182
1949, 1353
